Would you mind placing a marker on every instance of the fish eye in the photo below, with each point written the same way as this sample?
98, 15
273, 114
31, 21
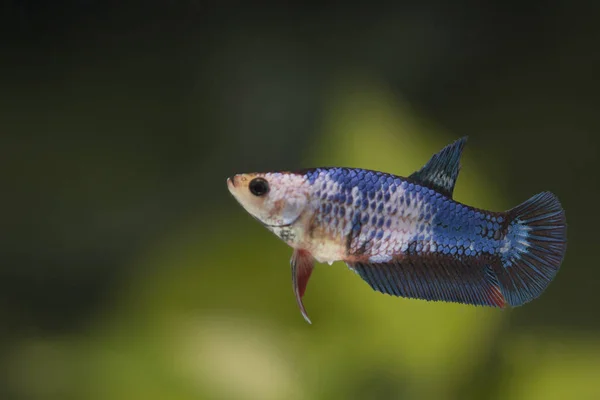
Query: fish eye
259, 187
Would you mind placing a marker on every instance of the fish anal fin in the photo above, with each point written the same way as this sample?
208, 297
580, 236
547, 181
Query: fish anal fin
441, 171
435, 278
302, 263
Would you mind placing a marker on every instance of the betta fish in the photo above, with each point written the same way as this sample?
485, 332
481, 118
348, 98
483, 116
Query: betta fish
408, 237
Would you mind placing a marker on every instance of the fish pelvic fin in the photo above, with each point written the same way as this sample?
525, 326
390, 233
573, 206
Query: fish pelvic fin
533, 248
441, 171
302, 263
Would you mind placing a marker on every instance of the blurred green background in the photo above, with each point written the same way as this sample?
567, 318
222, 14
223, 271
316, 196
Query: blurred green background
127, 270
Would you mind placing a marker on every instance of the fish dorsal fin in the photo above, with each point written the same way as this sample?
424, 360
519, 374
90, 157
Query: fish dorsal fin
442, 169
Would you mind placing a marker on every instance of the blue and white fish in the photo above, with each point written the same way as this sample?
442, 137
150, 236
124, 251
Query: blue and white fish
407, 236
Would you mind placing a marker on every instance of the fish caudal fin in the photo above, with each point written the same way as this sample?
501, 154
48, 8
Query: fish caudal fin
533, 248
302, 265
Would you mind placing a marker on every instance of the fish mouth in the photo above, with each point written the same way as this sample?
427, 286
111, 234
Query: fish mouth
231, 182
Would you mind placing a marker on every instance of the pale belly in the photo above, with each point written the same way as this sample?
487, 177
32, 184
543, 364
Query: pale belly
326, 250
324, 247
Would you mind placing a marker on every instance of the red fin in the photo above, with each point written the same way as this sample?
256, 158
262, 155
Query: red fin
302, 265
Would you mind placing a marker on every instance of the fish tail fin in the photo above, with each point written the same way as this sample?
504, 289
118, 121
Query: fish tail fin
532, 249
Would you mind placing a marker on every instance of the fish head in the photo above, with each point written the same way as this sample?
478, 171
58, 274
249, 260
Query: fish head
276, 199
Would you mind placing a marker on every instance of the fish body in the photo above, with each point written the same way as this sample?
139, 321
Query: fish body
408, 237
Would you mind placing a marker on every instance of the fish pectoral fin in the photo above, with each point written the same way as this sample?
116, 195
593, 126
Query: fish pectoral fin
441, 171
302, 265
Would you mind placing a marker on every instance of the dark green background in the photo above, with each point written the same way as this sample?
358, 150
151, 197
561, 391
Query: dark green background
128, 271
